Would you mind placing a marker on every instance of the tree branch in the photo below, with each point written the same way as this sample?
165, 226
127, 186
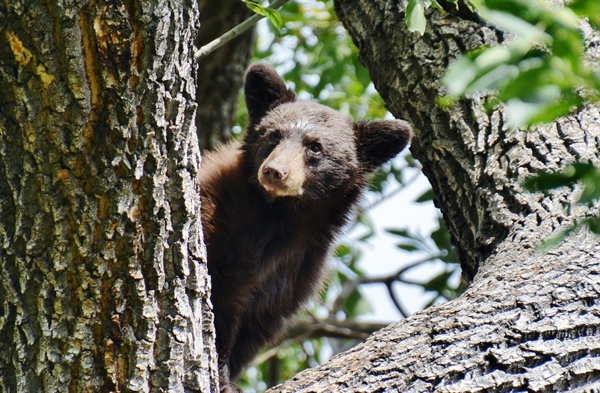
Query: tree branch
353, 283
307, 329
234, 32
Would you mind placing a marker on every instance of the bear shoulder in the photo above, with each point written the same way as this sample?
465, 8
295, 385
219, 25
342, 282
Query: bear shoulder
222, 163
222, 181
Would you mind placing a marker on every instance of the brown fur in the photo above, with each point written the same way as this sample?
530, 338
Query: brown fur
273, 207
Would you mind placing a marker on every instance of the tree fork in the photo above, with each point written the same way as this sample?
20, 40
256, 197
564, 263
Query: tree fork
530, 320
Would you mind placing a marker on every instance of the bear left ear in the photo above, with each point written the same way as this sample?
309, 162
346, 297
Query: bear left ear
264, 90
378, 141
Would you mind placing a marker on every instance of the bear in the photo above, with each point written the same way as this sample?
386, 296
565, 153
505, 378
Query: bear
272, 207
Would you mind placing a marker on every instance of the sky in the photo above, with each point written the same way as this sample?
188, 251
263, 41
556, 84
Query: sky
382, 257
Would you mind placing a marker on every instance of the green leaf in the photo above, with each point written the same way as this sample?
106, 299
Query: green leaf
546, 181
356, 304
410, 161
442, 239
542, 73
558, 239
425, 197
587, 9
407, 247
594, 225
509, 21
591, 182
415, 16
273, 15
459, 75
342, 250
439, 283
366, 236
364, 219
378, 179
547, 110
362, 74
255, 6
585, 173
399, 232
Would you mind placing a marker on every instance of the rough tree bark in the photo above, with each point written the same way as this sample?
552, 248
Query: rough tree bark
530, 321
103, 283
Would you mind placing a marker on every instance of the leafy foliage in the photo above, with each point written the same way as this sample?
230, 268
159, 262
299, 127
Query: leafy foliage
540, 75
272, 14
415, 13
415, 16
436, 246
313, 51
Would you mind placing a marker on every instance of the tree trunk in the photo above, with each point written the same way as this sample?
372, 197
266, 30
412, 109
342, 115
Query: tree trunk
103, 283
530, 321
221, 74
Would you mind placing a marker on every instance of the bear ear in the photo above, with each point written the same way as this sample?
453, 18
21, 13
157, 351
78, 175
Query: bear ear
264, 90
378, 141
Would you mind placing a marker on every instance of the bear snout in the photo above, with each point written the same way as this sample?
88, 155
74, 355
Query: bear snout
282, 177
274, 172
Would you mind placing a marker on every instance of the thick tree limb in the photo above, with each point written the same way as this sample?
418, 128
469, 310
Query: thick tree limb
530, 320
538, 334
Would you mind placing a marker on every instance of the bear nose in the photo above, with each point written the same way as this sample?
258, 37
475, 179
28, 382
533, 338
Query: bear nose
274, 172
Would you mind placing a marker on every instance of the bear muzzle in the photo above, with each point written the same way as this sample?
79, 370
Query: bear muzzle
282, 175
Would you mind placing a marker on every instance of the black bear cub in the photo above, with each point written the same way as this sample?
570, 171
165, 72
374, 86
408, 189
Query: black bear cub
272, 208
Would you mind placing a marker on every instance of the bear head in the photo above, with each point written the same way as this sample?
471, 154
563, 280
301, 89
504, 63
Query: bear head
306, 151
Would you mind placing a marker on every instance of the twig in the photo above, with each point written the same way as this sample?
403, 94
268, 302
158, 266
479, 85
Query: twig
330, 327
396, 300
314, 328
396, 275
234, 32
352, 284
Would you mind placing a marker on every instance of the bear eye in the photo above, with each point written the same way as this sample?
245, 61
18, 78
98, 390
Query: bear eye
315, 147
273, 135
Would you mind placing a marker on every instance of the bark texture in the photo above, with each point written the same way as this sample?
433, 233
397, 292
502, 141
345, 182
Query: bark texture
530, 320
103, 283
532, 330
221, 74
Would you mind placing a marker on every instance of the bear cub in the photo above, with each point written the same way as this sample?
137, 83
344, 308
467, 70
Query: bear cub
273, 206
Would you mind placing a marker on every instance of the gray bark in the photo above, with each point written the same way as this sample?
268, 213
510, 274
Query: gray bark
537, 333
103, 283
530, 321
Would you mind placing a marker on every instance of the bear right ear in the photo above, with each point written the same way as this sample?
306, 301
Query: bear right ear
264, 91
378, 141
